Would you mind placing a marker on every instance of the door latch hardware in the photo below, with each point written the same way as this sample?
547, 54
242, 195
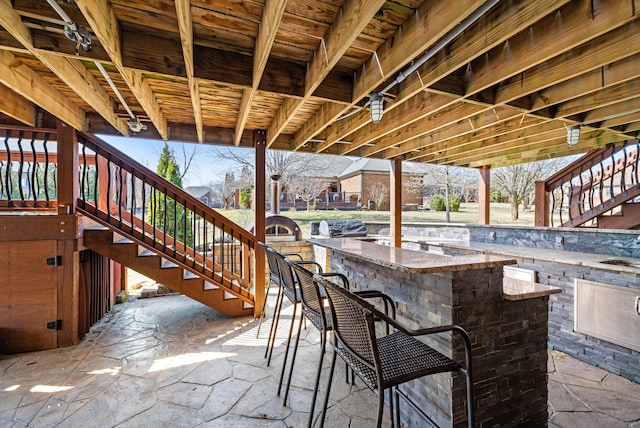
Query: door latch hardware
54, 325
54, 261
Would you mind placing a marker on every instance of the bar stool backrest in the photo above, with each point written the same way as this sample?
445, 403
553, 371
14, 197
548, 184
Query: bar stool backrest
288, 284
274, 274
354, 331
310, 296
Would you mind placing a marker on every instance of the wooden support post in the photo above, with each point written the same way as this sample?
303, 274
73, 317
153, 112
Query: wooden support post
259, 222
542, 205
484, 195
68, 292
69, 271
395, 200
68, 188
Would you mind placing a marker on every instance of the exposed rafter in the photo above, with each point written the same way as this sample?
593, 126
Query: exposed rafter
351, 20
185, 25
70, 71
31, 86
16, 106
104, 24
431, 22
271, 17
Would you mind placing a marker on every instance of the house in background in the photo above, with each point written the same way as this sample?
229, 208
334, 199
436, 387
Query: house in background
364, 175
351, 184
205, 195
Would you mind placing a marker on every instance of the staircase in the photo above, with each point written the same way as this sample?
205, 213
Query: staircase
155, 228
599, 190
152, 265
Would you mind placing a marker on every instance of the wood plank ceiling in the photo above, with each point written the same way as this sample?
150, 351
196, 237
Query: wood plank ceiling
500, 92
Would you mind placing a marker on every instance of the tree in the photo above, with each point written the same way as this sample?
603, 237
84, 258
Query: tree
517, 182
227, 188
308, 188
378, 193
289, 166
164, 213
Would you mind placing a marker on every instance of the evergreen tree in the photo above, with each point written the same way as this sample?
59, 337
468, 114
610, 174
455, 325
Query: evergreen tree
168, 216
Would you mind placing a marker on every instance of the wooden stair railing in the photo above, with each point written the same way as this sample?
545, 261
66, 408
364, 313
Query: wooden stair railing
590, 187
136, 203
28, 169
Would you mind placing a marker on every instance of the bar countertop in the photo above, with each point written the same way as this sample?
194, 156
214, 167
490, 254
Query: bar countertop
408, 260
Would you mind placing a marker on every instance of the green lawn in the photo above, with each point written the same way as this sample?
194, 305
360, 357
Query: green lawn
500, 214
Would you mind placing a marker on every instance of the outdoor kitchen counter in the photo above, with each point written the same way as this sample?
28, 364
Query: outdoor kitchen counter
509, 336
410, 261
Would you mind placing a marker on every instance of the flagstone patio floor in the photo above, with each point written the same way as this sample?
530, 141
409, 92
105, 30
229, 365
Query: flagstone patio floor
173, 362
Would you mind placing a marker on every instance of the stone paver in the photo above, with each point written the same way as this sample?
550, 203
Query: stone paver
172, 362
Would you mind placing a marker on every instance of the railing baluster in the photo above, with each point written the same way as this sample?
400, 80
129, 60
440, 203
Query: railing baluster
108, 191
164, 220
120, 187
561, 201
175, 233
601, 184
623, 184
591, 187
33, 177
2, 186
133, 198
83, 175
144, 204
581, 195
20, 169
637, 162
7, 173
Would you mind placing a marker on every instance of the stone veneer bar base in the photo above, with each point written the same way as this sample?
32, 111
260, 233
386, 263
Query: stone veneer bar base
509, 342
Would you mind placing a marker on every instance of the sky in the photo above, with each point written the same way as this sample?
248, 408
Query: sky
205, 169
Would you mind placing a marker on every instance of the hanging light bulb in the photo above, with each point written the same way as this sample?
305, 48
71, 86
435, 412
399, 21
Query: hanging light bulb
376, 106
573, 135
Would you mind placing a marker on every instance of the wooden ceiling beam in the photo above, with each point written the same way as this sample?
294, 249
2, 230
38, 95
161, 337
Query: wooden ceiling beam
612, 111
71, 71
104, 24
467, 147
185, 26
552, 148
416, 109
271, 17
353, 17
479, 127
17, 107
558, 32
600, 99
622, 120
577, 65
429, 24
36, 89
620, 43
600, 78
448, 110
498, 26
500, 23
539, 136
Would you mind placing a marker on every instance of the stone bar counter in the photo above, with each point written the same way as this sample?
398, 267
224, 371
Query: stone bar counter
507, 323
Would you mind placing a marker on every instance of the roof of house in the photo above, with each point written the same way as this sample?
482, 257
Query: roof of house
197, 191
382, 166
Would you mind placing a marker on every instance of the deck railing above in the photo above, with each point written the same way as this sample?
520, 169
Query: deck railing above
28, 170
597, 183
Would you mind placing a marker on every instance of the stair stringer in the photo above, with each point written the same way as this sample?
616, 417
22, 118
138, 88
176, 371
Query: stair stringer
127, 253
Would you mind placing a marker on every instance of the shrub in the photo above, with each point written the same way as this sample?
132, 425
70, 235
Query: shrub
245, 198
437, 203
